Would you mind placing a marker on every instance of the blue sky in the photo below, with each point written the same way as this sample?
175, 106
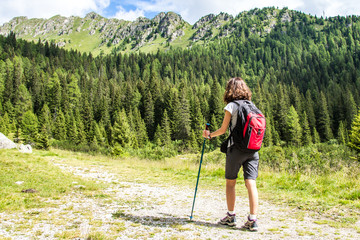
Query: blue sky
190, 10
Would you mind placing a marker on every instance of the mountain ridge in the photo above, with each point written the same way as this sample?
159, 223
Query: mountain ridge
98, 34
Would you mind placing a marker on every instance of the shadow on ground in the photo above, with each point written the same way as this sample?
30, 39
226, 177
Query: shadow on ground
166, 220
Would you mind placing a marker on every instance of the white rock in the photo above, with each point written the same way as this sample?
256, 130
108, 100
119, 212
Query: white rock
6, 143
25, 148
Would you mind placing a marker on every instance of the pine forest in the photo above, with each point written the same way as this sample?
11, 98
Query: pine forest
304, 75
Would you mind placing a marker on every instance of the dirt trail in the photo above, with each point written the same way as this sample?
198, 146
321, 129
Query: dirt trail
129, 210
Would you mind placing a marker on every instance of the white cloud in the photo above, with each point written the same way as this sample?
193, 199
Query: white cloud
330, 7
128, 15
49, 8
190, 10
193, 10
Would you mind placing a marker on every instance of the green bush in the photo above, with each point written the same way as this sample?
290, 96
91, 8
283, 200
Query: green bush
214, 157
83, 147
273, 157
317, 158
153, 152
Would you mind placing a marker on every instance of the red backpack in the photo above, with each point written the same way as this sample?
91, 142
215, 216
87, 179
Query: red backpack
249, 131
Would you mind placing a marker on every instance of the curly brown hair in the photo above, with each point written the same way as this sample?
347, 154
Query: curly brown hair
236, 89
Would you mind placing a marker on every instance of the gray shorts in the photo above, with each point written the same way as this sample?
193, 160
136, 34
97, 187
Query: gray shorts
236, 158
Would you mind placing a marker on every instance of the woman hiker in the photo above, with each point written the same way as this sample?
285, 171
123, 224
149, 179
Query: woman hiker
236, 89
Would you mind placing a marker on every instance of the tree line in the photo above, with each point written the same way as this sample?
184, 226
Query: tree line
304, 76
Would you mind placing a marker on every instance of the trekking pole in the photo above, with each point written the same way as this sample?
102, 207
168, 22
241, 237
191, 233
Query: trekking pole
197, 181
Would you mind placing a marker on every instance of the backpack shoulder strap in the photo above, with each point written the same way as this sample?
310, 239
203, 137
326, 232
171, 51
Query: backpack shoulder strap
240, 115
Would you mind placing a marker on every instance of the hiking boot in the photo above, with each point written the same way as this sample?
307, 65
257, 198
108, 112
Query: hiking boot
250, 225
229, 220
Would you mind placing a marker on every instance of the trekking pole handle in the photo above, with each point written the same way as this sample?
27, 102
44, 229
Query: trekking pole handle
207, 128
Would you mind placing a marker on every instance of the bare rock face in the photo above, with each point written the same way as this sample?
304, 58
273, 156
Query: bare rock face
6, 143
210, 22
286, 17
204, 20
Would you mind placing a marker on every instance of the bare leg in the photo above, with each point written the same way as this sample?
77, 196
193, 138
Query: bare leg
253, 195
230, 194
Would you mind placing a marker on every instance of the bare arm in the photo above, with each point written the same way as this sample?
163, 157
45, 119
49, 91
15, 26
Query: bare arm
222, 129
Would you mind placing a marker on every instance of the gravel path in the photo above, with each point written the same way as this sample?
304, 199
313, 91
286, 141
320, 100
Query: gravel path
129, 210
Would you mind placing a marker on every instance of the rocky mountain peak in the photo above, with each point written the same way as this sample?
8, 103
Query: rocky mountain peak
204, 20
16, 20
159, 17
93, 15
224, 16
169, 16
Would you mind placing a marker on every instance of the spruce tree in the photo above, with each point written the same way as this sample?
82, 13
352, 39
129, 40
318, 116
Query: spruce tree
293, 127
268, 138
309, 106
103, 133
54, 93
342, 134
216, 102
354, 136
1, 107
158, 135
316, 136
29, 126
149, 114
182, 121
172, 99
43, 139
94, 146
45, 119
18, 80
192, 143
2, 80
306, 134
295, 98
8, 95
350, 108
36, 88
140, 129
81, 136
197, 120
23, 103
59, 128
122, 135
281, 107
276, 136
67, 124
5, 126
87, 118
324, 124
72, 130
97, 133
215, 142
165, 130
74, 92
9, 109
